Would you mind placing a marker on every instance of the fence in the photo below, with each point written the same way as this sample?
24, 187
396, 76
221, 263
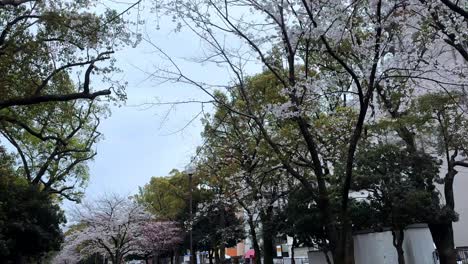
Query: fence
462, 256
462, 253
289, 261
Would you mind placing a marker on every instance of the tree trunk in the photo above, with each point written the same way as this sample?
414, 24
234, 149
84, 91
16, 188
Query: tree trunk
195, 259
442, 234
342, 248
253, 234
172, 256
217, 258
210, 256
176, 256
222, 224
268, 234
293, 261
349, 245
222, 253
267, 245
327, 257
398, 238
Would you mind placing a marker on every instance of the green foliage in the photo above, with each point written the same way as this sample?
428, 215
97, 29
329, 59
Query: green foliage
400, 185
53, 150
50, 52
166, 197
304, 220
29, 219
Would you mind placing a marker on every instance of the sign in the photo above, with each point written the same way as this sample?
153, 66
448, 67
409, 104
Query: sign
279, 251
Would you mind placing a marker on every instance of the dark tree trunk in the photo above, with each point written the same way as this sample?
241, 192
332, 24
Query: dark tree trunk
195, 260
268, 234
398, 235
222, 253
172, 256
222, 224
442, 234
342, 251
349, 245
210, 256
267, 248
293, 261
217, 258
253, 234
327, 257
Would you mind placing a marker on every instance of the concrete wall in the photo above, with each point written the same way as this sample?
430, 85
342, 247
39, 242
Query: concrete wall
373, 248
418, 246
460, 228
378, 247
318, 257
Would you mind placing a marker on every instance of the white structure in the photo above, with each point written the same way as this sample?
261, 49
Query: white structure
460, 230
377, 247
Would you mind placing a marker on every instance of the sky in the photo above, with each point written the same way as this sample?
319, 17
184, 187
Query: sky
139, 141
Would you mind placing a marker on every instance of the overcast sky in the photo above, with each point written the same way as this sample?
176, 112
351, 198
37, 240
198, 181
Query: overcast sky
139, 142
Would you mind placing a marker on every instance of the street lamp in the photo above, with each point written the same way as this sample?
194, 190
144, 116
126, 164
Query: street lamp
190, 170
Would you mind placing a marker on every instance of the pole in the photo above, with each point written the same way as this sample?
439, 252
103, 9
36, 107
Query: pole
191, 218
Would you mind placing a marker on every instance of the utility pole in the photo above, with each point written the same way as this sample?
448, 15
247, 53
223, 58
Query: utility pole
191, 216
190, 170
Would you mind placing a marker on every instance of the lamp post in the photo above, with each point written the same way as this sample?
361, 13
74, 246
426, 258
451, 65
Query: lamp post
190, 170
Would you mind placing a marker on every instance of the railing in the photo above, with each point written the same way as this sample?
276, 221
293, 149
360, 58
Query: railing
462, 254
289, 261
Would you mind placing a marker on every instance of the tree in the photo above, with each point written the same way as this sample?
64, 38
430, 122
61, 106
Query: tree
29, 219
55, 161
239, 166
111, 226
42, 42
166, 197
303, 223
50, 52
400, 187
328, 58
159, 238
217, 226
449, 21
442, 132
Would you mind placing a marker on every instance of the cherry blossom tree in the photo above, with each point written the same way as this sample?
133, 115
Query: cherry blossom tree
331, 60
112, 226
159, 237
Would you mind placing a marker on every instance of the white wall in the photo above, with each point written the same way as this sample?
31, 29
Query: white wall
374, 248
418, 246
460, 228
377, 248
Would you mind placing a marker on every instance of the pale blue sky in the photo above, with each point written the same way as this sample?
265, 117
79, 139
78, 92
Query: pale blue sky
136, 144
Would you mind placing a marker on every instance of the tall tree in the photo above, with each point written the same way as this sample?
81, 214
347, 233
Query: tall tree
50, 52
41, 42
323, 55
111, 226
400, 187
55, 163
